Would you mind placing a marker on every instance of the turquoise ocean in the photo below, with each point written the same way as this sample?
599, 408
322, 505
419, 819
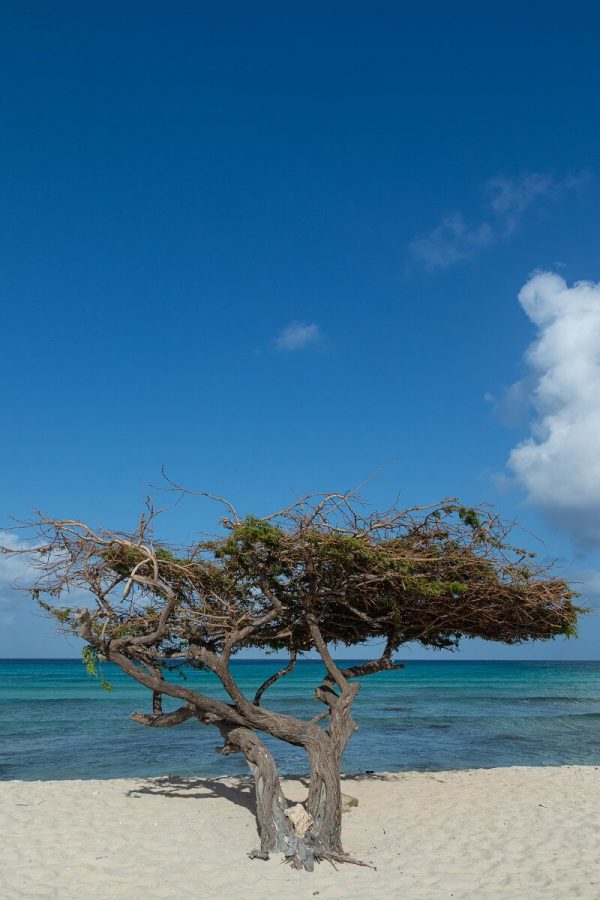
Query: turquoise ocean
59, 723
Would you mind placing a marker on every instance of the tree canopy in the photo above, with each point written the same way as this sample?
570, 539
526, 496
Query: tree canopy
430, 575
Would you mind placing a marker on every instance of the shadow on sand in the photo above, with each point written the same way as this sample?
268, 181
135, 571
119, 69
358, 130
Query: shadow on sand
241, 792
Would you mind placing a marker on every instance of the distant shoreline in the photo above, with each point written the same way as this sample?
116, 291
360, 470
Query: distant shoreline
299, 661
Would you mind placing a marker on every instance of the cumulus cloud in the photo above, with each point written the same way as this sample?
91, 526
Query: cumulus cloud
507, 200
297, 336
559, 463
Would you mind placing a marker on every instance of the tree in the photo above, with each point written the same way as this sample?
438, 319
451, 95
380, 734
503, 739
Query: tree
325, 571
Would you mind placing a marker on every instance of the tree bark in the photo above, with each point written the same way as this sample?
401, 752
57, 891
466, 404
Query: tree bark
324, 802
275, 829
277, 833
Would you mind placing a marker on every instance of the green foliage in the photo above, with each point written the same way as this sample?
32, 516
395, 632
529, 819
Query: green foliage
250, 534
570, 630
469, 516
161, 553
400, 576
92, 661
62, 614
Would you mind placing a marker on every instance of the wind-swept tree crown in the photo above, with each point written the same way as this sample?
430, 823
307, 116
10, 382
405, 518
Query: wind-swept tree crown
427, 574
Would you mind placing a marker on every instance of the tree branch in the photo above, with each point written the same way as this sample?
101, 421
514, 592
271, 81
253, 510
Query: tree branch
165, 720
381, 664
207, 709
333, 670
275, 677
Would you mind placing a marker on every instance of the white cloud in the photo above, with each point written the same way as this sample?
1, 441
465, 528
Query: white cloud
559, 463
451, 241
508, 199
511, 197
297, 336
21, 570
15, 572
513, 405
589, 586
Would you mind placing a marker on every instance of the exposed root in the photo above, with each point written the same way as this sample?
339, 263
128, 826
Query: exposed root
302, 853
258, 854
299, 854
344, 858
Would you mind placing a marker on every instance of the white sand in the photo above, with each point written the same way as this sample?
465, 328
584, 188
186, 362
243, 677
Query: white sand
499, 833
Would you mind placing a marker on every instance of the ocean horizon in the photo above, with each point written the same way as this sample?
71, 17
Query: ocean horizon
59, 723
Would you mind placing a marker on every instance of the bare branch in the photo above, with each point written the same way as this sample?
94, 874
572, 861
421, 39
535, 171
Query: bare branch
183, 490
334, 672
276, 677
164, 720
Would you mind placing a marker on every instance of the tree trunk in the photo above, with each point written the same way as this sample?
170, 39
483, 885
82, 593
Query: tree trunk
325, 796
275, 829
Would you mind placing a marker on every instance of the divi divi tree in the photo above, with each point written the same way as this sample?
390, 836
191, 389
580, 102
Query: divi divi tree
325, 572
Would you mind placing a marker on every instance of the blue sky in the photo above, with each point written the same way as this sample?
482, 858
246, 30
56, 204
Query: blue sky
276, 246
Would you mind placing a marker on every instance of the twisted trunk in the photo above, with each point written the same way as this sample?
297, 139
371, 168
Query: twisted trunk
324, 802
275, 829
323, 839
303, 840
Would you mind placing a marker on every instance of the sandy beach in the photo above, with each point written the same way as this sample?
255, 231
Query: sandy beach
488, 833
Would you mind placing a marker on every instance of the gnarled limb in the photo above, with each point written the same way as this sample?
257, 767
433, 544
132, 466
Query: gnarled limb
324, 802
383, 663
275, 677
275, 829
164, 720
207, 709
277, 833
325, 751
370, 668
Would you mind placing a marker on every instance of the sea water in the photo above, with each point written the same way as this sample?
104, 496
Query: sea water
57, 722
